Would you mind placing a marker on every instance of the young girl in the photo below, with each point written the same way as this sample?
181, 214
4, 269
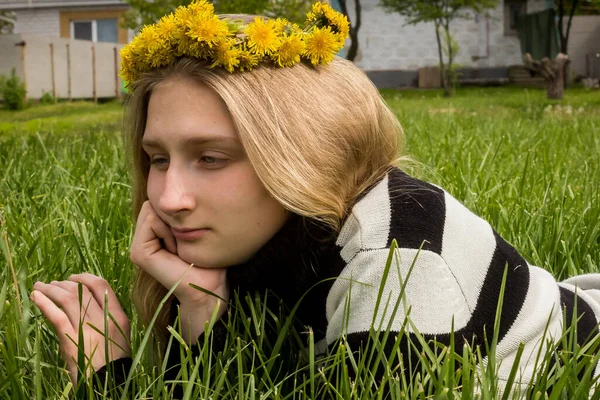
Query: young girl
264, 162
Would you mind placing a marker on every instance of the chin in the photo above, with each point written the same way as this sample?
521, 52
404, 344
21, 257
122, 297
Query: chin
199, 261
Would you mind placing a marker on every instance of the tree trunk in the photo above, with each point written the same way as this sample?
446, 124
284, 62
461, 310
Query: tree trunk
555, 88
567, 74
564, 38
448, 72
552, 71
353, 50
441, 55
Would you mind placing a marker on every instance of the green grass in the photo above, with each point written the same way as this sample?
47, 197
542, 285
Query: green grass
527, 165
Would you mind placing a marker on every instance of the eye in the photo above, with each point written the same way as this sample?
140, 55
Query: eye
159, 161
209, 159
212, 162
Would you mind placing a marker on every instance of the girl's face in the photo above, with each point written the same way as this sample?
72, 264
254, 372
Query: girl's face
201, 183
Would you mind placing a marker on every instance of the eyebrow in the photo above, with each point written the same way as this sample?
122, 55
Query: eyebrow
192, 141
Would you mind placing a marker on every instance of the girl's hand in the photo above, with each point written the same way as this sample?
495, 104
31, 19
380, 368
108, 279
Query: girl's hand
59, 302
154, 250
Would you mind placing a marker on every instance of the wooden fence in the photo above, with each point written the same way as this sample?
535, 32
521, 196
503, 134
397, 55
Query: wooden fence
66, 68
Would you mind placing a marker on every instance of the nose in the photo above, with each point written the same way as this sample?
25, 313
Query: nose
176, 196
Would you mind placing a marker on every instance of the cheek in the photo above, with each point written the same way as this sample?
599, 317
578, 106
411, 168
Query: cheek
153, 189
247, 193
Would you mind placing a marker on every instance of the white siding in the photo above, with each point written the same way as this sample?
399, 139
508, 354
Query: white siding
42, 22
583, 40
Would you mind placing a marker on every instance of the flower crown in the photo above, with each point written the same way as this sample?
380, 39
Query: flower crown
195, 31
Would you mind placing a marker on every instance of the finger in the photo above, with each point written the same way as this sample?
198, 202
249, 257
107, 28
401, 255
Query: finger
166, 268
59, 320
162, 231
92, 306
149, 230
99, 289
144, 211
66, 296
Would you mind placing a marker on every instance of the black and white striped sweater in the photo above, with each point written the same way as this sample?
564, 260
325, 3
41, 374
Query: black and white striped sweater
459, 263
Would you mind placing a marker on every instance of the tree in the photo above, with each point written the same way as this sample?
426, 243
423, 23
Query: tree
570, 7
556, 72
552, 71
143, 12
441, 13
7, 21
353, 50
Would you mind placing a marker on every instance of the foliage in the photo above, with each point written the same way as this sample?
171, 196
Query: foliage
47, 98
587, 7
441, 13
6, 22
144, 12
524, 166
13, 92
450, 47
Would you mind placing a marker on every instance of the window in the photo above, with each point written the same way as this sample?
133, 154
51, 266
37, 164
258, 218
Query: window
513, 9
96, 30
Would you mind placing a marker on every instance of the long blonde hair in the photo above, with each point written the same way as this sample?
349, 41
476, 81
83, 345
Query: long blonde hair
317, 138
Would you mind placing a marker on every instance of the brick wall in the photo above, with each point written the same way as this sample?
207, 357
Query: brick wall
43, 22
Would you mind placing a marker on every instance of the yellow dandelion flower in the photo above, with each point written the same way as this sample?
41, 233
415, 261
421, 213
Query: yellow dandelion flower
198, 50
199, 7
281, 25
248, 60
321, 45
160, 54
340, 23
262, 36
207, 28
285, 27
128, 69
146, 37
143, 44
158, 48
226, 55
168, 28
288, 54
323, 15
183, 16
195, 31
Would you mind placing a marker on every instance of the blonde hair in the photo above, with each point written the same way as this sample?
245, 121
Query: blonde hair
317, 138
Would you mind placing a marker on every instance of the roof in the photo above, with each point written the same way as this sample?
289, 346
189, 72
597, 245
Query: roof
36, 4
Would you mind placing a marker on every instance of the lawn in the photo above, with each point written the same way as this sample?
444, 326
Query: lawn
528, 165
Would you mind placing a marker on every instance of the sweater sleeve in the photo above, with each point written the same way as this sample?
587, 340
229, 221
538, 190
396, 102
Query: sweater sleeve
445, 282
217, 338
113, 376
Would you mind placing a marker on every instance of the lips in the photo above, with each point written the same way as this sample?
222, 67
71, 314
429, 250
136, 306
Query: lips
188, 234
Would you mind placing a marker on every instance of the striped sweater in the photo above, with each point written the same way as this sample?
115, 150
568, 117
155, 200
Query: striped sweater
459, 264
456, 263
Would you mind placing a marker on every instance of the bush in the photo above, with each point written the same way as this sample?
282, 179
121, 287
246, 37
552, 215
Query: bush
13, 91
47, 98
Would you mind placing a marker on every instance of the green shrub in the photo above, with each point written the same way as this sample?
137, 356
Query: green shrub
13, 92
47, 98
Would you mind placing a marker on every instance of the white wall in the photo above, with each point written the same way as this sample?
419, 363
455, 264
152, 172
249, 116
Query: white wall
43, 22
386, 43
584, 39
